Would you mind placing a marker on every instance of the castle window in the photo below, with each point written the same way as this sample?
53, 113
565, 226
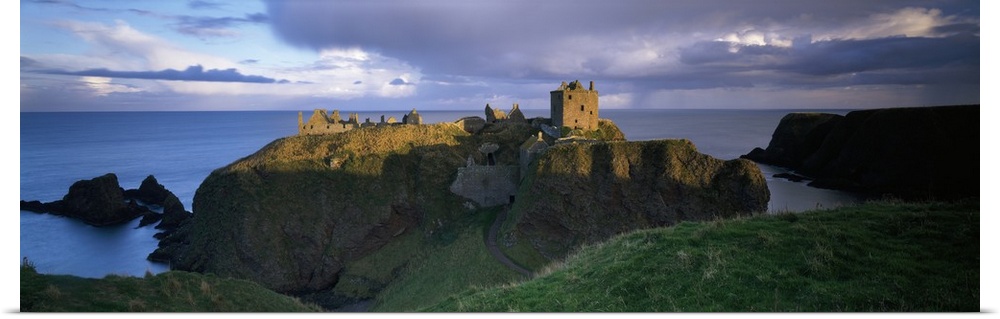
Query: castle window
591, 112
576, 121
581, 107
570, 96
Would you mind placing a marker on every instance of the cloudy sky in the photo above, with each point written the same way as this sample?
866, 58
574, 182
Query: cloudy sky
441, 55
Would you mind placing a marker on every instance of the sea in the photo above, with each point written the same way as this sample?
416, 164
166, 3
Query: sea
181, 148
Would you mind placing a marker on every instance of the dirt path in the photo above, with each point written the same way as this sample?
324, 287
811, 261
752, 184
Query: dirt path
491, 245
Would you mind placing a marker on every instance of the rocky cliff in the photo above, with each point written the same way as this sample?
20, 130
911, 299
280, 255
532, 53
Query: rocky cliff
295, 213
912, 153
305, 212
585, 193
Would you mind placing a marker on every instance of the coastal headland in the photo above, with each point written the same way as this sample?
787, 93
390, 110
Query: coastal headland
399, 216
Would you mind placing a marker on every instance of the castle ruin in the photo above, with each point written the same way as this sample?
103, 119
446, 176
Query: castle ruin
320, 123
574, 106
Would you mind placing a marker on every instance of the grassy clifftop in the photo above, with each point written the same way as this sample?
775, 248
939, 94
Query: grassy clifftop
873, 257
171, 291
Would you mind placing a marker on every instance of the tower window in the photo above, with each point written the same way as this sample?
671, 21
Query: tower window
570, 96
581, 107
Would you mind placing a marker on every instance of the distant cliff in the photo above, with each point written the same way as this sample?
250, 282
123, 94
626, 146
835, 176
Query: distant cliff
912, 153
585, 193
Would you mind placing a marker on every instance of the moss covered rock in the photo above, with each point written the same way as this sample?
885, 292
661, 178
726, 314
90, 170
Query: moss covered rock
585, 193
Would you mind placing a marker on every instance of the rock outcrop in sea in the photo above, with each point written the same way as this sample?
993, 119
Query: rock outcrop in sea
101, 201
910, 153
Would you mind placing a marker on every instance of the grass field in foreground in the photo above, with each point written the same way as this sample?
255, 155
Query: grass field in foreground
882, 256
172, 291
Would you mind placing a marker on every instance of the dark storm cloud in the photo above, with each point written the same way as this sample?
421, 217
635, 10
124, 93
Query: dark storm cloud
192, 73
849, 56
214, 26
198, 26
966, 28
72, 4
28, 63
497, 37
834, 57
399, 81
199, 4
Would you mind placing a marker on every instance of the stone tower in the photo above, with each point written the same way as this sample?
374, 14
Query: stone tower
574, 106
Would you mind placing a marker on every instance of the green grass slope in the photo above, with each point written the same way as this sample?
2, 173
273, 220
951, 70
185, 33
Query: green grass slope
173, 291
447, 270
873, 257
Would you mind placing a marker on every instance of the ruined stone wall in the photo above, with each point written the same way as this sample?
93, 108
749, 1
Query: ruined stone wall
320, 123
486, 185
574, 107
327, 128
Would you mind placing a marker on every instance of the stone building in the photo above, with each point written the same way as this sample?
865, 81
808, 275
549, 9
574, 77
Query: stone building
413, 118
321, 123
494, 115
471, 124
530, 149
574, 106
516, 115
489, 184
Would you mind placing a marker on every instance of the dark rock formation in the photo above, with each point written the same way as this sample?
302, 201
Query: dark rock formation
148, 216
150, 191
911, 153
98, 201
101, 201
585, 193
792, 177
34, 206
154, 193
797, 136
173, 213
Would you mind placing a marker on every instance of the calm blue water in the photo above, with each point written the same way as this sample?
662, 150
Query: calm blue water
182, 148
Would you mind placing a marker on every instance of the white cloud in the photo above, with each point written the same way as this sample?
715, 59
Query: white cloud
333, 74
910, 22
123, 48
616, 101
102, 86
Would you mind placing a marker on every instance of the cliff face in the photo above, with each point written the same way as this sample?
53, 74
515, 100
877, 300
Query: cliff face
797, 136
585, 193
305, 212
292, 215
913, 153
